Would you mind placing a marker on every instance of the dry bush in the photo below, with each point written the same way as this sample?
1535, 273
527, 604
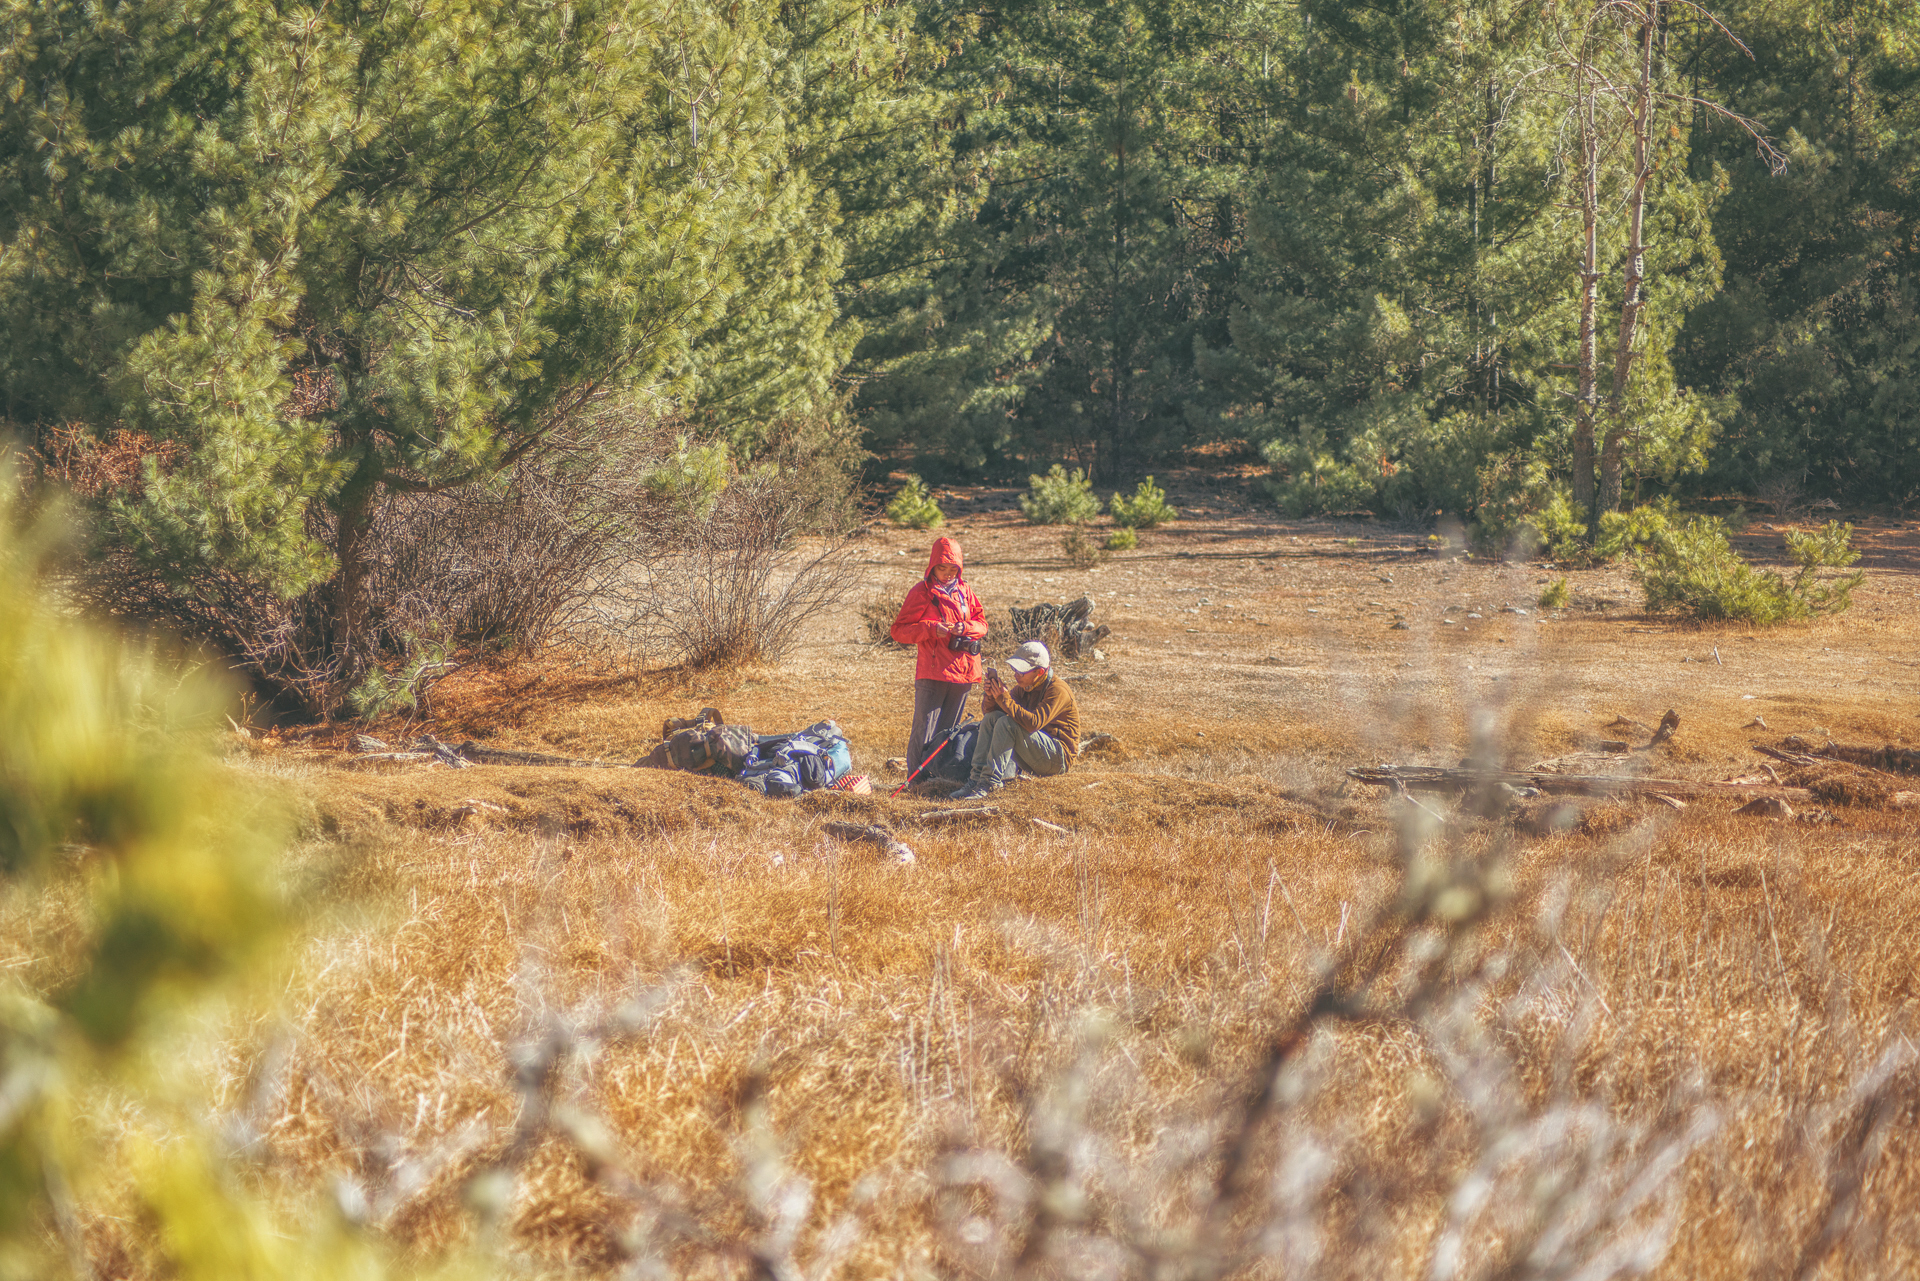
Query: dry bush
877, 613
508, 566
738, 584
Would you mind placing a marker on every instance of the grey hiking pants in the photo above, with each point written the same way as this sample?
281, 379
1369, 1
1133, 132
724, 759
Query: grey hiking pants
1004, 750
937, 708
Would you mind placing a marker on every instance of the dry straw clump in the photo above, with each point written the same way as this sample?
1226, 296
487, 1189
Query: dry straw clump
1212, 1030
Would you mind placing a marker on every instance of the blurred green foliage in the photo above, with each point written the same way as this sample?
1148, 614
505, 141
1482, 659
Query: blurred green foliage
147, 872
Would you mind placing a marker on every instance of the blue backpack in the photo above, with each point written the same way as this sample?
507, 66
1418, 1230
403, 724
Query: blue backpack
789, 764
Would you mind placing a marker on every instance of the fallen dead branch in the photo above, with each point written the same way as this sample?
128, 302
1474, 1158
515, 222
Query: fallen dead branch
1888, 759
428, 748
958, 816
480, 754
1814, 760
874, 834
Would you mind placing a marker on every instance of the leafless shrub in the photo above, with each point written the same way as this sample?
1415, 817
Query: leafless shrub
736, 584
877, 613
1784, 492
508, 565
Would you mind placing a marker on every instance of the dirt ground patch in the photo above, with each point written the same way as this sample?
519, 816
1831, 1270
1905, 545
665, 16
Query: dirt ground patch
1241, 641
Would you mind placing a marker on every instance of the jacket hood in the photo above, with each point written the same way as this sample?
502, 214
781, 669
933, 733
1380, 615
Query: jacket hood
945, 552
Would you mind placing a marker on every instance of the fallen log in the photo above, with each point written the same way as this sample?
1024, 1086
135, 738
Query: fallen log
469, 753
388, 758
1430, 778
444, 753
1888, 759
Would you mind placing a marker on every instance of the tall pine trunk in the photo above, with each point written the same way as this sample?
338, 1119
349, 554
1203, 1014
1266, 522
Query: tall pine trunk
352, 621
1112, 462
1619, 429
1587, 392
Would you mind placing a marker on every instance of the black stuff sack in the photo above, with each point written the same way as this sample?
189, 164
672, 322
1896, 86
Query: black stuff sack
955, 761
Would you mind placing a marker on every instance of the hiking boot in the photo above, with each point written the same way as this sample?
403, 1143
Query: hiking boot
978, 788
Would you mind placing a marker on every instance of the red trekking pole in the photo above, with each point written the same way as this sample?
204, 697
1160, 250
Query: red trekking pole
923, 764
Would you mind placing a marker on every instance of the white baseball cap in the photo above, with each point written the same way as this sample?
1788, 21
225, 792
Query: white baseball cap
1029, 656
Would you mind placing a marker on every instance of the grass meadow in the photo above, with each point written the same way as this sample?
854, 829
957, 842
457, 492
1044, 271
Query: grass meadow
1219, 1012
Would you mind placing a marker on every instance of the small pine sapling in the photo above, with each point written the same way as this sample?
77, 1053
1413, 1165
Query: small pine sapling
1060, 499
1122, 540
913, 507
1147, 508
1693, 569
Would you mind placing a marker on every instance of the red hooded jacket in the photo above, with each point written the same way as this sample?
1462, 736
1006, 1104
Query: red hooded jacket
926, 605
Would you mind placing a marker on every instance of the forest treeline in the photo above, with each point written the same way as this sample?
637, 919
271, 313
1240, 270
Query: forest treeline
270, 269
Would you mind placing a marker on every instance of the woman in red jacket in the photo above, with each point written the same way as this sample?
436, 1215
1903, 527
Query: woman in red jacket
945, 619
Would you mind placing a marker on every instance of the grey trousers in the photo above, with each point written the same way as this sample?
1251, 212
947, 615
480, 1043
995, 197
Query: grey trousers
1003, 750
937, 708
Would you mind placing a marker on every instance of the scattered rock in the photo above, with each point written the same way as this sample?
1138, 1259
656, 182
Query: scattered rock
368, 743
1766, 807
1546, 820
1398, 626
1615, 745
896, 765
1755, 723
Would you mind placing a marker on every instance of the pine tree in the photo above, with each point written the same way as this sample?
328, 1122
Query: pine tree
1064, 324
1817, 331
368, 249
1399, 304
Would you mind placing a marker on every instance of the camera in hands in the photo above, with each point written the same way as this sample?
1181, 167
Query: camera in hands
963, 644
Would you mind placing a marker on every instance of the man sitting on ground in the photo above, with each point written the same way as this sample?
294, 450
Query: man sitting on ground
1034, 728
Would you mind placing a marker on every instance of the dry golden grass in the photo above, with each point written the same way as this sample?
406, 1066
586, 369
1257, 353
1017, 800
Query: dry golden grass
1238, 1020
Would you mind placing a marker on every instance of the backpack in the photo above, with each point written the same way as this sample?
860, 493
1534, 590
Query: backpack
704, 748
789, 764
788, 771
674, 724
955, 762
